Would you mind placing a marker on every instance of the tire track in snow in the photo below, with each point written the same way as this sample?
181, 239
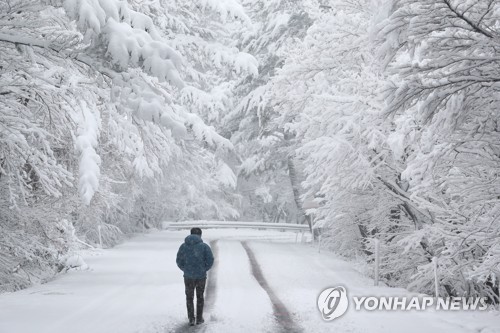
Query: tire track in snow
210, 295
281, 314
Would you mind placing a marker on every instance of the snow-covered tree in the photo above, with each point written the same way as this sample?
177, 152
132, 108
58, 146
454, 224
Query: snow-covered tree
327, 96
100, 122
443, 95
268, 177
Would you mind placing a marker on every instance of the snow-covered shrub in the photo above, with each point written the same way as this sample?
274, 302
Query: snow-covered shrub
73, 262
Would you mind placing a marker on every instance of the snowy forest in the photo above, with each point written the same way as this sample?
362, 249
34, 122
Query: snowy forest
366, 119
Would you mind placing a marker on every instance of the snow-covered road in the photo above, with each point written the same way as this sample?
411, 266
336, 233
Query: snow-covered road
262, 282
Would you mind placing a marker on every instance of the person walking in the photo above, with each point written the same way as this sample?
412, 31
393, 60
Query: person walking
195, 258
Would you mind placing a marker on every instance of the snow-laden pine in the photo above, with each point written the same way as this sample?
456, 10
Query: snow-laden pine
269, 175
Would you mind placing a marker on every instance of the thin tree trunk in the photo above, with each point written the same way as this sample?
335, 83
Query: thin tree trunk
294, 180
292, 173
364, 237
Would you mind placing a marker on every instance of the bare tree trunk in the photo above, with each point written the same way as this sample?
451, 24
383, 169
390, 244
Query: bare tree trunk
364, 237
295, 182
292, 173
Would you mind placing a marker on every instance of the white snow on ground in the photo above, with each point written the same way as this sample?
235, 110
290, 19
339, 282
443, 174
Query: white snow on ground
298, 273
238, 295
126, 289
136, 287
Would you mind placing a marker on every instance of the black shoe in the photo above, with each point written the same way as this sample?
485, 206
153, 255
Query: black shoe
191, 322
200, 321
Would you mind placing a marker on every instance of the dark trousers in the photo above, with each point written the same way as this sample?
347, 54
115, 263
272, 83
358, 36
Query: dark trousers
192, 285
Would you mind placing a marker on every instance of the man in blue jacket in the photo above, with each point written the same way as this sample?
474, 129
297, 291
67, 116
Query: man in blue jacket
195, 258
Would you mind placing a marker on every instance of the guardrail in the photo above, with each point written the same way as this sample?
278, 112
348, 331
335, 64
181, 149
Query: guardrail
235, 225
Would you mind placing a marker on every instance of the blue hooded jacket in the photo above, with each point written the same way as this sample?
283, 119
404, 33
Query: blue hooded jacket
195, 258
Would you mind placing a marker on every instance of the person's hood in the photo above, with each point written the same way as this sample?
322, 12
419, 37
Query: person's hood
192, 239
